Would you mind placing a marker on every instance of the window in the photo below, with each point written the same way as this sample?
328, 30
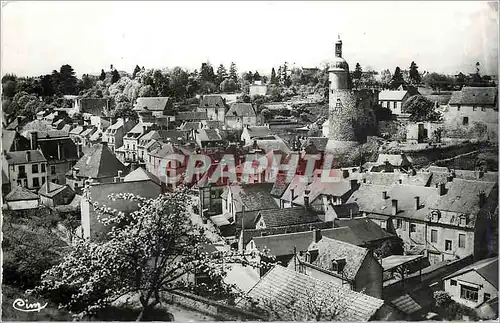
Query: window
474, 108
334, 266
394, 105
43, 180
486, 296
36, 182
399, 223
43, 168
434, 236
458, 107
413, 227
461, 240
34, 168
19, 182
483, 109
52, 170
465, 121
447, 245
22, 169
468, 293
453, 282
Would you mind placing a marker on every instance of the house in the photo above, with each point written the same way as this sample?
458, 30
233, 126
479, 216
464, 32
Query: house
52, 194
20, 198
130, 148
269, 144
13, 141
257, 88
253, 132
157, 106
208, 138
283, 217
473, 105
146, 142
95, 106
240, 115
420, 132
294, 294
140, 174
246, 198
86, 134
161, 162
393, 100
114, 134
474, 285
214, 105
98, 164
61, 153
95, 230
25, 168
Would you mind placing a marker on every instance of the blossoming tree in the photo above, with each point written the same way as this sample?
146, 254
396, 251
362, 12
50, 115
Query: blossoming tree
147, 252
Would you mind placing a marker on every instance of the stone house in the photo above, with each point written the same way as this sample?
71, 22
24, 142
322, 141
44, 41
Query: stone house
214, 105
52, 194
251, 133
20, 198
25, 168
393, 100
114, 134
240, 115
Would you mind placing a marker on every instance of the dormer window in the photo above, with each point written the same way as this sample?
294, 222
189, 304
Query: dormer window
463, 220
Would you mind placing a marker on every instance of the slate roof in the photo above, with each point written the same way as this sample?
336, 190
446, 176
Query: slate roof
271, 145
280, 185
461, 196
240, 109
20, 193
191, 115
258, 131
19, 157
487, 268
474, 96
208, 135
53, 189
253, 197
36, 125
76, 130
8, 137
419, 179
346, 210
365, 229
391, 95
99, 162
212, 124
140, 174
286, 216
157, 104
330, 249
283, 286
212, 101
87, 132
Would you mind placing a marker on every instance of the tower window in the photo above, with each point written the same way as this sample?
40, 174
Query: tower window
338, 106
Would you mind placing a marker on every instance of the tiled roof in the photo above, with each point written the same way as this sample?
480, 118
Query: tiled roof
191, 115
212, 124
365, 229
488, 268
391, 95
462, 196
53, 189
346, 210
88, 132
287, 216
20, 193
190, 125
419, 179
330, 249
8, 137
36, 125
475, 96
259, 131
211, 101
165, 150
284, 287
270, 145
140, 174
279, 185
253, 197
20, 157
208, 135
152, 103
96, 135
99, 162
240, 109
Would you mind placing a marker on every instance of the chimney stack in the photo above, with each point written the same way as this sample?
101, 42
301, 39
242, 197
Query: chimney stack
317, 235
34, 140
364, 180
28, 156
417, 202
384, 195
394, 207
442, 189
306, 198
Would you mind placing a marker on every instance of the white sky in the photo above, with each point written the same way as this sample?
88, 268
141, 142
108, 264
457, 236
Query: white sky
446, 37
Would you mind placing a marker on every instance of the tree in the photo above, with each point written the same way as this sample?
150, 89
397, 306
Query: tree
438, 81
233, 72
102, 77
124, 110
385, 78
115, 76
248, 76
389, 248
356, 75
421, 109
9, 88
273, 76
221, 74
460, 79
397, 79
228, 86
148, 253
256, 76
179, 80
207, 73
65, 80
414, 76
137, 69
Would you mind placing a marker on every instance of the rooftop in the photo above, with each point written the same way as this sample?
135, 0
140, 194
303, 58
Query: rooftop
53, 189
156, 104
286, 216
392, 95
212, 101
21, 157
475, 96
99, 162
487, 268
20, 193
258, 131
240, 109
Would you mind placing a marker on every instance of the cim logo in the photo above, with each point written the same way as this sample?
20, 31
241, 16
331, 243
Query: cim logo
24, 306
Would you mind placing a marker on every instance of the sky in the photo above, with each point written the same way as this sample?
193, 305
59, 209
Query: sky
446, 37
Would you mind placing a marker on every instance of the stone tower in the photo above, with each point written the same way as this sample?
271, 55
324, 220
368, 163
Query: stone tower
342, 105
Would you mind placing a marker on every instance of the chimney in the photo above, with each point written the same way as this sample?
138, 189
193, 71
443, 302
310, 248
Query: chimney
75, 171
28, 156
105, 143
120, 173
442, 189
317, 235
354, 184
417, 202
394, 207
450, 178
400, 181
384, 195
306, 198
351, 215
34, 140
482, 198
117, 179
345, 173
292, 191
480, 174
